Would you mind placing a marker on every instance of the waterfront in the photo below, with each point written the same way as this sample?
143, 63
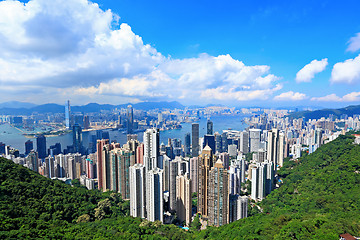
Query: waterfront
13, 137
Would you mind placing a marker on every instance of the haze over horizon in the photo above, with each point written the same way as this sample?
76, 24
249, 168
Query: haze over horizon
268, 54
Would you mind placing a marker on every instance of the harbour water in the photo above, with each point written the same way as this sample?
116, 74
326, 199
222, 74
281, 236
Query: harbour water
13, 137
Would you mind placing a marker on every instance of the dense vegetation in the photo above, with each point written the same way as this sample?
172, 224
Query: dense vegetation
319, 199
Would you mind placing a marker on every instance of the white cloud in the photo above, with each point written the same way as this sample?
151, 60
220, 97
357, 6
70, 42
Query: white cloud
354, 43
221, 93
351, 97
307, 73
290, 96
346, 72
65, 49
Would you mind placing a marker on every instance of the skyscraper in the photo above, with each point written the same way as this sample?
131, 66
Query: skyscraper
183, 198
210, 141
177, 167
130, 119
210, 128
124, 162
151, 149
244, 142
218, 197
237, 207
254, 139
205, 162
275, 151
41, 146
154, 195
137, 191
260, 181
195, 140
67, 114
99, 156
187, 144
28, 146
32, 161
77, 138
194, 167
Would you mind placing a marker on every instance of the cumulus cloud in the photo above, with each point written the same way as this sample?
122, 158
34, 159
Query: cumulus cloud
307, 73
351, 97
354, 43
346, 72
290, 96
74, 48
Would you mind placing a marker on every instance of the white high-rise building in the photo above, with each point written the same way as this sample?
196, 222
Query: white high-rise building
261, 180
137, 190
234, 179
151, 149
275, 150
254, 139
238, 207
154, 195
254, 182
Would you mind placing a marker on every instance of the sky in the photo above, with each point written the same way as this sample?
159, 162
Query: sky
236, 53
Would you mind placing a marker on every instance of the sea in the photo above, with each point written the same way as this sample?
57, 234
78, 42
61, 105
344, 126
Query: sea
15, 138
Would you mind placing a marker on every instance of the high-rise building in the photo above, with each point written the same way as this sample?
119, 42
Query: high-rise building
275, 150
32, 161
234, 179
261, 180
154, 195
99, 156
140, 154
137, 191
183, 198
195, 139
187, 144
67, 114
130, 119
194, 174
238, 206
254, 139
244, 142
41, 146
210, 128
49, 167
218, 195
86, 122
205, 162
210, 141
176, 167
218, 143
124, 162
28, 146
151, 149
77, 138
224, 142
232, 150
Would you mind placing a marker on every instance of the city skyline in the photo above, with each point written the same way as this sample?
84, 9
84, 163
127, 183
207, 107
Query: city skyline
237, 54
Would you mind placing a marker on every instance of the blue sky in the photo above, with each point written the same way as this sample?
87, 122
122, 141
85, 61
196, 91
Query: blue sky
240, 53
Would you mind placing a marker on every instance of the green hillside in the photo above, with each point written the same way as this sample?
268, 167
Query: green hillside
319, 199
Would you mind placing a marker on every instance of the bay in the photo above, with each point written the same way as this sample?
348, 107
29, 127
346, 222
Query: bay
13, 137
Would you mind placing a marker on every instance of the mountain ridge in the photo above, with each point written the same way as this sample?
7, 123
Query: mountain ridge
90, 107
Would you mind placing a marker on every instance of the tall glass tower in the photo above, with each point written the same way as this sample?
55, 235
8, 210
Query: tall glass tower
67, 114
